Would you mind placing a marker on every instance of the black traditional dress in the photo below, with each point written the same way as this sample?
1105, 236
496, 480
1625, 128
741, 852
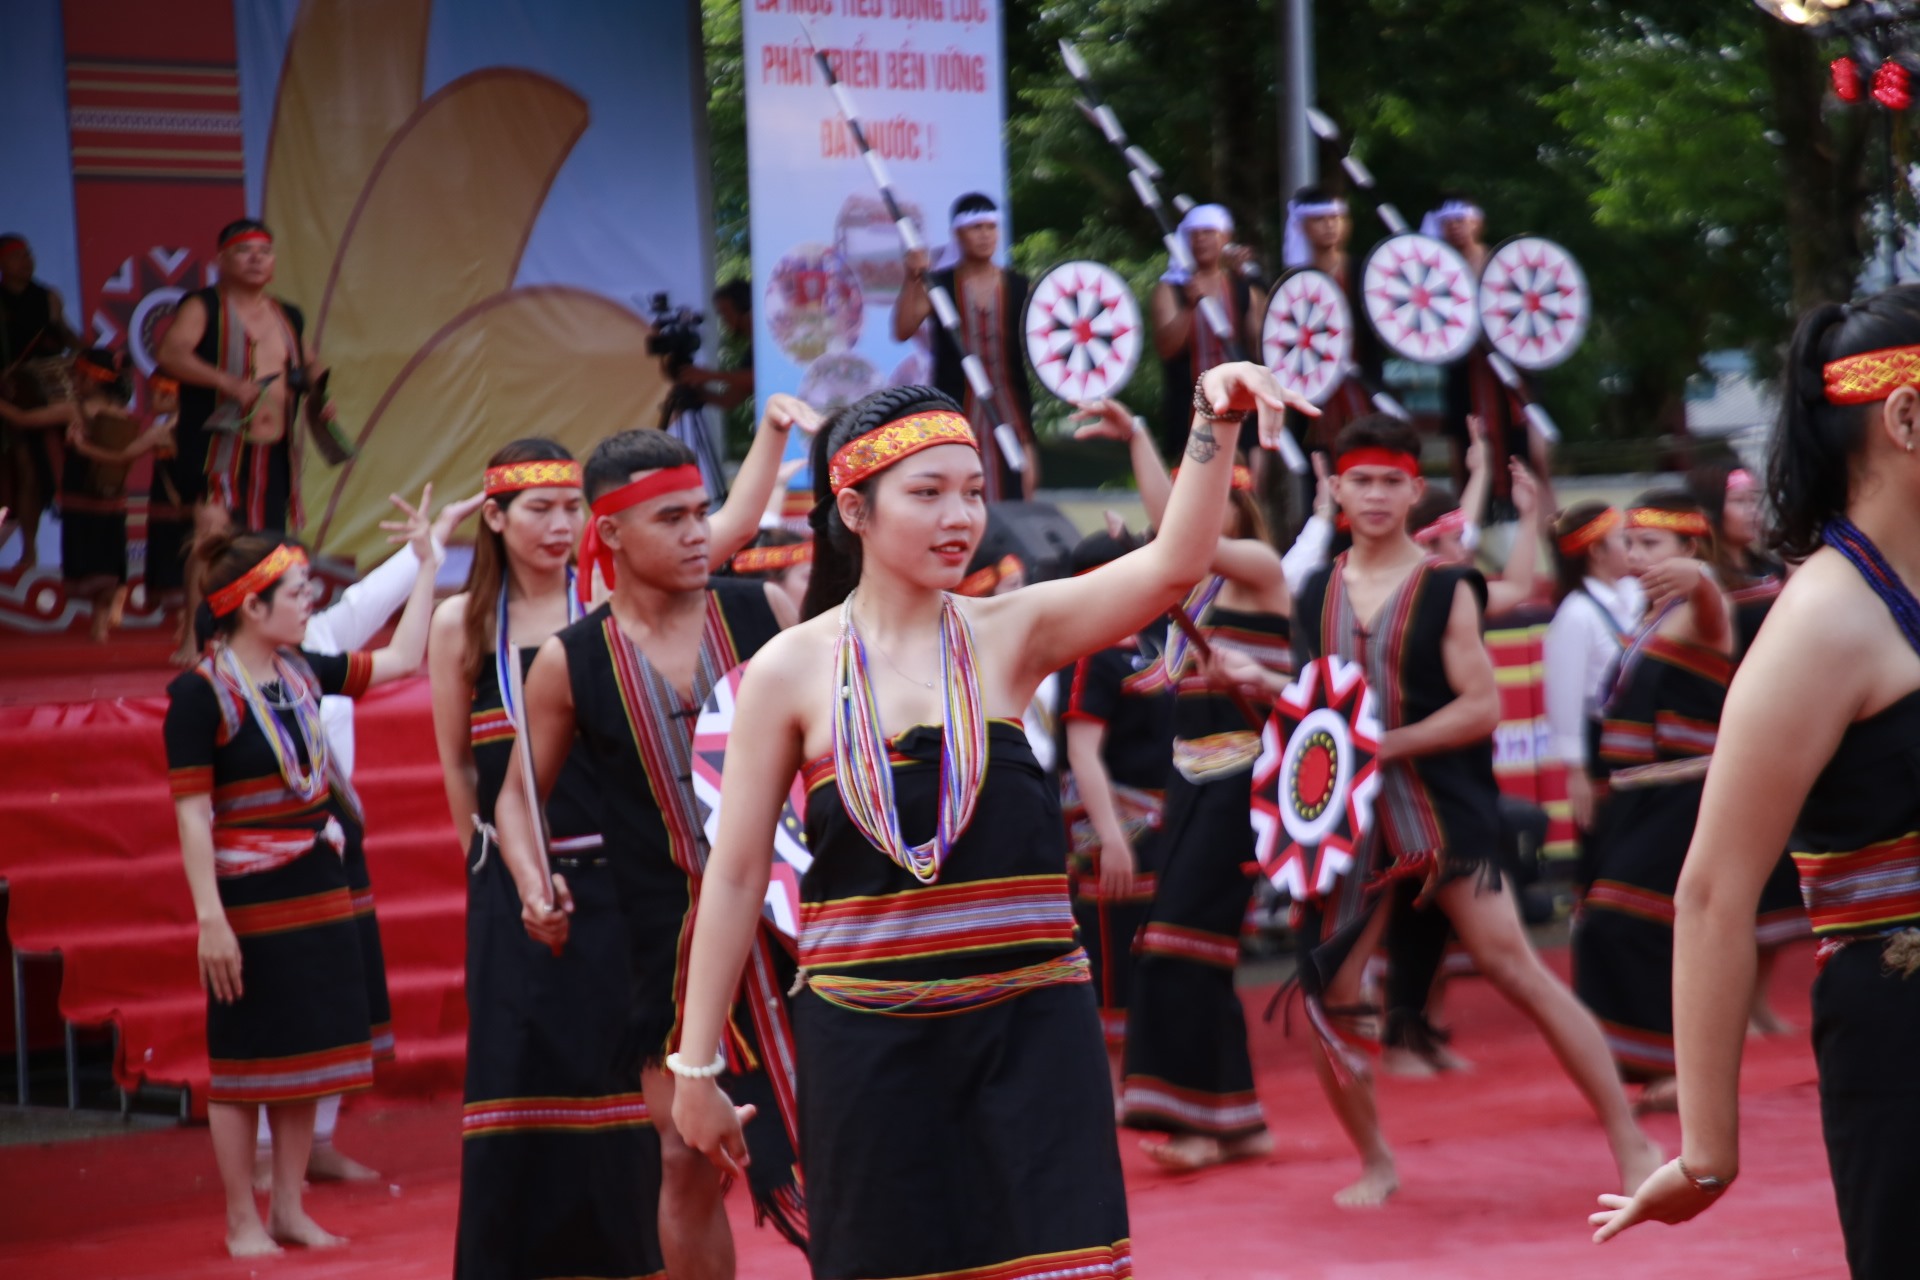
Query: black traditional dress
636, 732
559, 1163
1437, 817
1203, 351
1119, 690
93, 520
1188, 1070
1657, 732
947, 1035
301, 1030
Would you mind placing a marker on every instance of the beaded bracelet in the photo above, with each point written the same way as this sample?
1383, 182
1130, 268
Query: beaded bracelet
678, 1065
1204, 406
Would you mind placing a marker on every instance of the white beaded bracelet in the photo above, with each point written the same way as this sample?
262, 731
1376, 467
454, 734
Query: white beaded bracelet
678, 1065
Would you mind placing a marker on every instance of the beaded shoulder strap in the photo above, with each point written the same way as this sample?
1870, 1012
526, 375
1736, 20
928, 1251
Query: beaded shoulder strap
1841, 534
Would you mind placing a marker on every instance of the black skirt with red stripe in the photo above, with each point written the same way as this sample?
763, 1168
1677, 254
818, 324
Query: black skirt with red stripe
300, 1029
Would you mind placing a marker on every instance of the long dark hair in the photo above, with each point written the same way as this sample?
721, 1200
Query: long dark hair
836, 548
489, 568
1807, 465
1571, 570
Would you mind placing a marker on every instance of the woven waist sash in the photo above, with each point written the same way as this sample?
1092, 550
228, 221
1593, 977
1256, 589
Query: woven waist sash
246, 851
1862, 892
1216, 756
939, 996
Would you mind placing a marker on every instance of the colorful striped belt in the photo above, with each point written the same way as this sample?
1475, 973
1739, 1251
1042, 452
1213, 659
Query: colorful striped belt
940, 996
1862, 893
939, 920
246, 851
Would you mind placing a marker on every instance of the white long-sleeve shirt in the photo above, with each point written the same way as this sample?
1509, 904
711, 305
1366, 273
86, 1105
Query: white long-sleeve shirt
348, 624
1581, 644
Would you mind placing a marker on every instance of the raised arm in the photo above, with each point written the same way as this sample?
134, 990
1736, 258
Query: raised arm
1059, 621
734, 524
452, 714
752, 788
1709, 616
1770, 751
407, 649
912, 305
548, 731
1514, 587
1475, 708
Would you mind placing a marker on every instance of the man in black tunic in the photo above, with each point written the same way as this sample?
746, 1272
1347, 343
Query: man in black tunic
33, 326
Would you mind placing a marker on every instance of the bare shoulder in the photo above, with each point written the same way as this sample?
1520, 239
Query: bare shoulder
1827, 608
796, 650
449, 621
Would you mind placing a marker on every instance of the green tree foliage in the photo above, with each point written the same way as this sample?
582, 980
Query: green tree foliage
1680, 151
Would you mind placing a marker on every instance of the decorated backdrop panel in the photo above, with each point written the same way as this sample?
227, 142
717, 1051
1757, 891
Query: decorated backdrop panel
926, 76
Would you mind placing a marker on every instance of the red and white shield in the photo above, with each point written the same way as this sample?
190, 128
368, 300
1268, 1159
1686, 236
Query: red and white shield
1083, 331
790, 856
1420, 295
1307, 339
1534, 302
1316, 779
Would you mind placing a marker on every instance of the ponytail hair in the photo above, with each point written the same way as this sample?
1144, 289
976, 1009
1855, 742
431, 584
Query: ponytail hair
1813, 448
836, 548
489, 567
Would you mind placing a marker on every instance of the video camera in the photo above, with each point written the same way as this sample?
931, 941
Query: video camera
676, 333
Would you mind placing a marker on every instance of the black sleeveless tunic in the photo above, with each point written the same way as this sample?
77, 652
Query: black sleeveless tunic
559, 1163
192, 441
975, 1136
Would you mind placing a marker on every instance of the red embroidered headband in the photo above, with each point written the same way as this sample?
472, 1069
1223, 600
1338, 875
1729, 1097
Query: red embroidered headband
91, 371
1871, 375
162, 386
1455, 521
874, 452
243, 236
597, 554
543, 473
1687, 524
981, 582
1573, 543
255, 580
773, 559
1375, 456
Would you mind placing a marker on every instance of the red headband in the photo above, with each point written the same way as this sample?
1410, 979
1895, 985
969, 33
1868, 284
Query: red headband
1871, 375
1455, 521
773, 559
11, 242
1375, 456
879, 449
241, 237
93, 372
255, 580
1687, 524
543, 473
597, 554
1573, 543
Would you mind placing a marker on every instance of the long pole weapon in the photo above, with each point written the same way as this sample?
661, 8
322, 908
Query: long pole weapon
1144, 175
944, 312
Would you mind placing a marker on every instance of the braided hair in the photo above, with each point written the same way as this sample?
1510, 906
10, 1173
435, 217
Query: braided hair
836, 548
1807, 465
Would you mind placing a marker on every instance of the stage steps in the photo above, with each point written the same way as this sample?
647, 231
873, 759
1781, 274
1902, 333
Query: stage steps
91, 858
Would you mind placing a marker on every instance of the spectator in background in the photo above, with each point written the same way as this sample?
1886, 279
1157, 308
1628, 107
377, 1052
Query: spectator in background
33, 326
725, 388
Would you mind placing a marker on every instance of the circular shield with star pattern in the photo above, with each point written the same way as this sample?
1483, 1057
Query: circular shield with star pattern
1307, 339
1534, 302
1422, 299
1315, 781
1083, 331
711, 733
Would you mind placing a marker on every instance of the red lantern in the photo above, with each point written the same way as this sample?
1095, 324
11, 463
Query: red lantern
1893, 86
1846, 78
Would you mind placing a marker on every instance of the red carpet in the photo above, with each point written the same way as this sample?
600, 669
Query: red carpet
92, 863
1500, 1169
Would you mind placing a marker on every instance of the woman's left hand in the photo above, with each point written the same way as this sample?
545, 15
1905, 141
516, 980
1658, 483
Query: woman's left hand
1246, 387
417, 528
1668, 1196
1103, 420
784, 412
1676, 577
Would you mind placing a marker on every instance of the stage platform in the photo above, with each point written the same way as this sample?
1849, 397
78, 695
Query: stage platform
1500, 1168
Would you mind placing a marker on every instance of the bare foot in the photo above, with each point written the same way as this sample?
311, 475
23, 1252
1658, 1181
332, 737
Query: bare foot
1408, 1064
1255, 1146
1375, 1185
251, 1241
329, 1164
1762, 1020
1638, 1166
298, 1228
1185, 1153
1662, 1095
1441, 1058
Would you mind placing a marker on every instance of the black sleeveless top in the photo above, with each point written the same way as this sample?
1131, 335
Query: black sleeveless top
1857, 842
1001, 898
26, 324
1115, 688
1177, 374
1202, 711
949, 377
197, 402
573, 807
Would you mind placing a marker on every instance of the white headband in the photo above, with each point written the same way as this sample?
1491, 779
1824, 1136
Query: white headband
974, 217
1294, 249
1451, 211
1206, 217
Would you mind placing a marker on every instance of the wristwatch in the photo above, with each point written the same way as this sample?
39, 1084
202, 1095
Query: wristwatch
1706, 1185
